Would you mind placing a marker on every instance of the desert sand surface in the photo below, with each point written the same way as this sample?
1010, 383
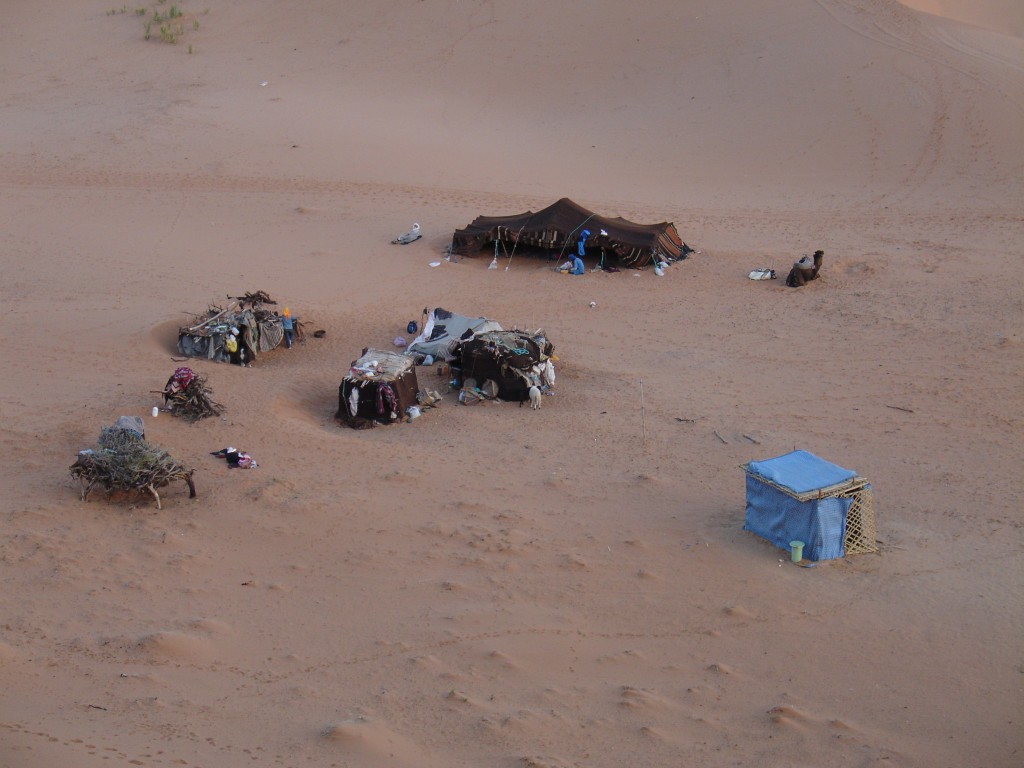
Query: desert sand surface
498, 586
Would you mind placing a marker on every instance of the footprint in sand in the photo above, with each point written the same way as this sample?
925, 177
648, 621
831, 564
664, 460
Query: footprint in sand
374, 740
172, 646
738, 612
642, 698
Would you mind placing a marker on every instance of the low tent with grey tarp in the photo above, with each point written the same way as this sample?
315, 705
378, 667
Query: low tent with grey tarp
442, 330
247, 321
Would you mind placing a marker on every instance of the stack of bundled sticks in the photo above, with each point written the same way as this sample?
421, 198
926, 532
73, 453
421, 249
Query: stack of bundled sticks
188, 396
124, 461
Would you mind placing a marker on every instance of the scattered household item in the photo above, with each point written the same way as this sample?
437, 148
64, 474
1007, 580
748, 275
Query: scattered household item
412, 327
799, 497
235, 458
764, 273
156, 411
796, 551
428, 398
378, 389
556, 230
410, 236
399, 341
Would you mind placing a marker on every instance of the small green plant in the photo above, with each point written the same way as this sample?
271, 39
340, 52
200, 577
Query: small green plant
170, 25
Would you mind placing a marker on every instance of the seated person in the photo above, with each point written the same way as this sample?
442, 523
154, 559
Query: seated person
577, 267
805, 270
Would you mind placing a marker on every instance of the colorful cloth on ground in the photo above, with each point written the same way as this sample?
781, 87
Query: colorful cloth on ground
183, 377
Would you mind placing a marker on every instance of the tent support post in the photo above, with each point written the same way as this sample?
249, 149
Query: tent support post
643, 414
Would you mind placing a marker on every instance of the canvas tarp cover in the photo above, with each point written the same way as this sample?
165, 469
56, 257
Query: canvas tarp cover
794, 497
444, 329
378, 389
558, 227
801, 472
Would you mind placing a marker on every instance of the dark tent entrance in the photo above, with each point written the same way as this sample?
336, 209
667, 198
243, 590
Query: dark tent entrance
558, 230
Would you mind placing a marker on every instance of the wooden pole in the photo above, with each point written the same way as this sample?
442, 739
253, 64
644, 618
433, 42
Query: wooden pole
643, 414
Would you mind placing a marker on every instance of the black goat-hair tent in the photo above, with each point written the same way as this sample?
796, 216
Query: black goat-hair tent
559, 226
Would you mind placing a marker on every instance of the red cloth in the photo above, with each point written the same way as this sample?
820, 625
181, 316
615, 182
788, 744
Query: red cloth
183, 377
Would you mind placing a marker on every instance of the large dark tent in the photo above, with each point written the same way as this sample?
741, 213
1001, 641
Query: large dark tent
558, 228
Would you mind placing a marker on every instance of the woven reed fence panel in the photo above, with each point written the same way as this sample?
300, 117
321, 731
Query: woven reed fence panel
860, 523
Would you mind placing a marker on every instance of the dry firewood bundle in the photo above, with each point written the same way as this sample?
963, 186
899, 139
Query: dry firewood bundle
193, 402
253, 299
123, 461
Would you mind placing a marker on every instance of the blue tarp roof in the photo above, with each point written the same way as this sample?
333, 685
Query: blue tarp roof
801, 472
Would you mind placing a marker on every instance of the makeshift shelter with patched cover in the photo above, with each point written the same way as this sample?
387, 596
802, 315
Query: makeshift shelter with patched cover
379, 388
246, 321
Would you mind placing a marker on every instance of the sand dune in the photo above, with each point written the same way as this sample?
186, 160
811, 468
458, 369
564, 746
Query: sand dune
496, 585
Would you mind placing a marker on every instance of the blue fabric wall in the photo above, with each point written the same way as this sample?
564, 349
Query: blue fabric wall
779, 518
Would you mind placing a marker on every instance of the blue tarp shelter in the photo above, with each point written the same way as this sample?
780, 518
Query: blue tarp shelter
798, 496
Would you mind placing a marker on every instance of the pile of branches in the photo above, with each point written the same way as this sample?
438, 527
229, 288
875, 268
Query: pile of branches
124, 461
254, 299
193, 402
